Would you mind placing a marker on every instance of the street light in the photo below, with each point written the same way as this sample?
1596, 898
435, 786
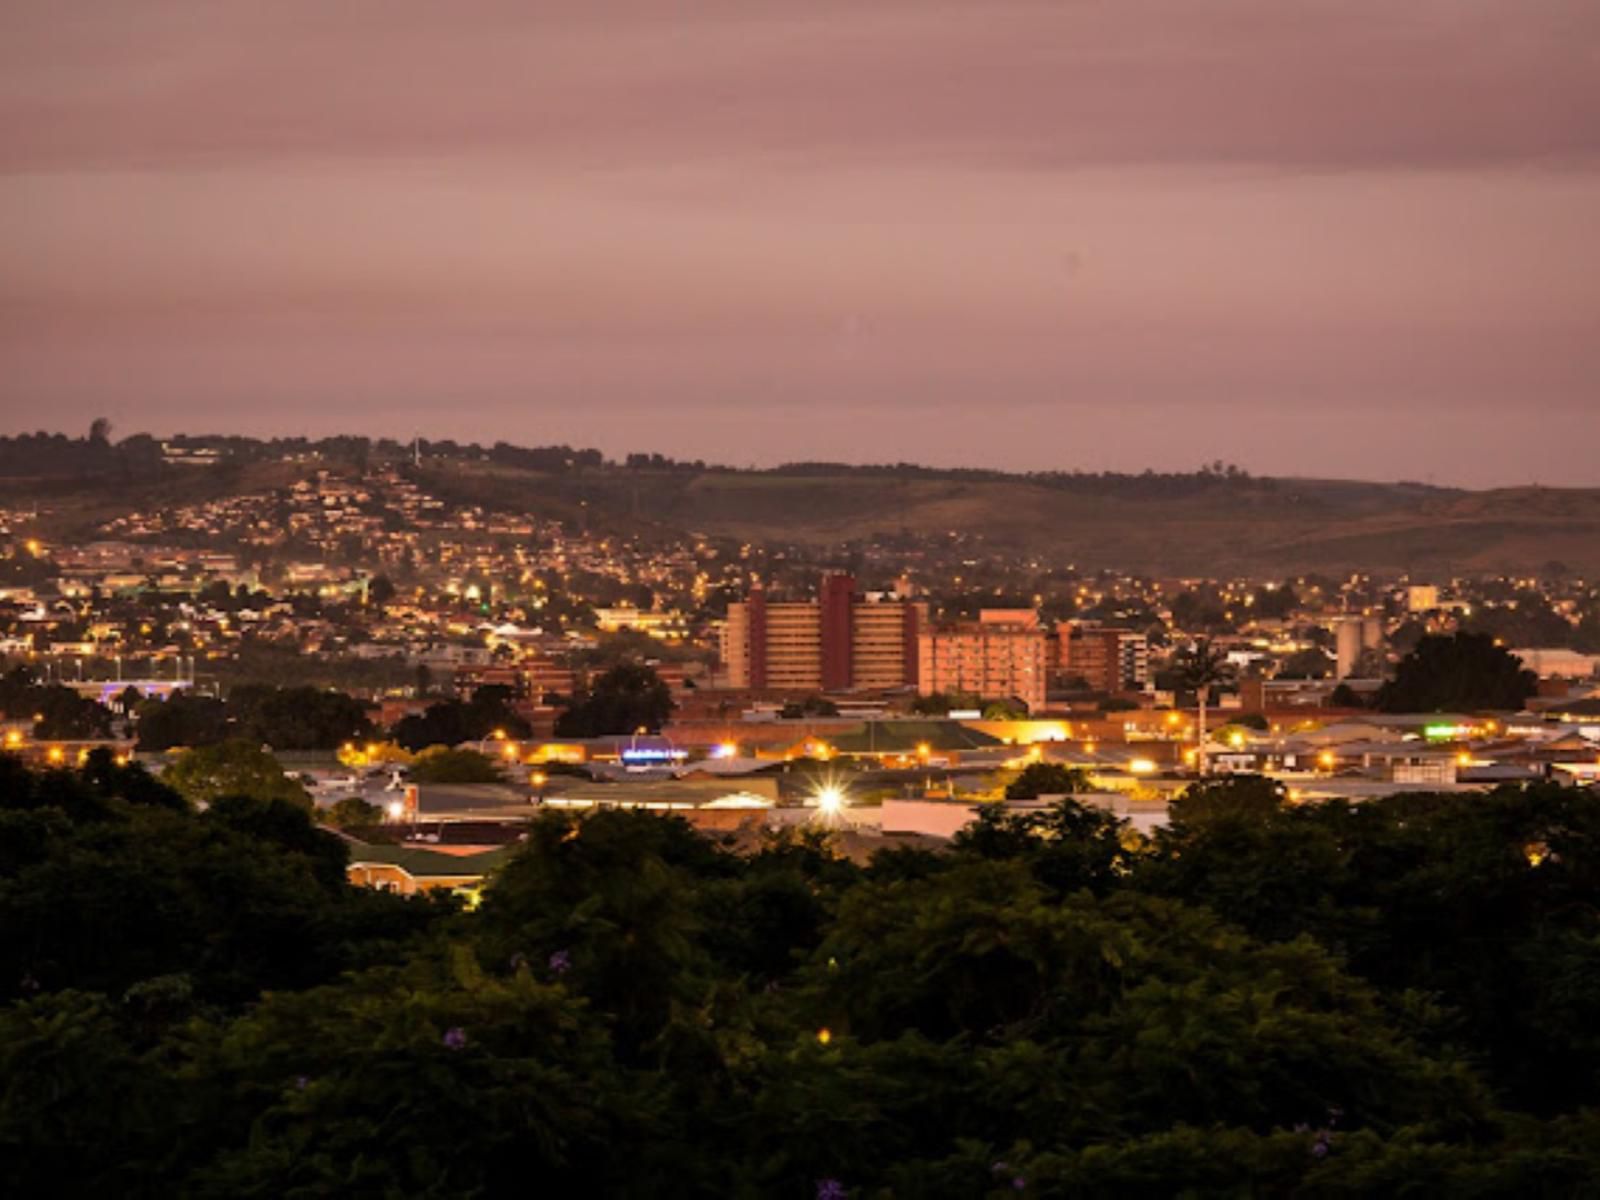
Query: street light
830, 800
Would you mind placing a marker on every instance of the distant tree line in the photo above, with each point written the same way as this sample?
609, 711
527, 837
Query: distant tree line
57, 454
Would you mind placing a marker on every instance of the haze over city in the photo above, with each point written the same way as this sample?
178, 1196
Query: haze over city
1326, 239
841, 599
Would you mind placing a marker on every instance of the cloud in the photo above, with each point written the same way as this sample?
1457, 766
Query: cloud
773, 224
1062, 83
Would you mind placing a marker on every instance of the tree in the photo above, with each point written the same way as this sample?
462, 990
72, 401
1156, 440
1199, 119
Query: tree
232, 768
352, 812
451, 722
441, 764
297, 718
1047, 779
1463, 671
181, 720
65, 714
626, 698
1305, 664
1201, 666
110, 883
380, 590
1344, 696
1005, 710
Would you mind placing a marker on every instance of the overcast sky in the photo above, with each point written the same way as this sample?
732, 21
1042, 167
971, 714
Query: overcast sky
1321, 237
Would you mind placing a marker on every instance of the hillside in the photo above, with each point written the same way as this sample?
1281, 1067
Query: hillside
1169, 525
1264, 526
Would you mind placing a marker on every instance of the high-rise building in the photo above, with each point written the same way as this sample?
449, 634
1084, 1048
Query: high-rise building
835, 643
1107, 659
1000, 655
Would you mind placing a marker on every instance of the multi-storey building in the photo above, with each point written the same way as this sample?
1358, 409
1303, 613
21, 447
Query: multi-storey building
1108, 660
1000, 655
837, 642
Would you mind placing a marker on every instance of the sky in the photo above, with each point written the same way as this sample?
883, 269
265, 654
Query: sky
1351, 238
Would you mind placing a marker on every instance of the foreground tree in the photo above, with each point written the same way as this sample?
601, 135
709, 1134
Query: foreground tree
1272, 999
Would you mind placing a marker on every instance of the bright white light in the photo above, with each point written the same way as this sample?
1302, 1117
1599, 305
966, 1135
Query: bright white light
830, 800
396, 810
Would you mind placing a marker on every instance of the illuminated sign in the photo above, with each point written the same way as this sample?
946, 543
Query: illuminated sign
631, 756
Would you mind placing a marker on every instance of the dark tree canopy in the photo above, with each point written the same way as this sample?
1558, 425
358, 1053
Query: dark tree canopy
296, 718
626, 698
181, 720
443, 764
1046, 779
1267, 998
1464, 671
451, 722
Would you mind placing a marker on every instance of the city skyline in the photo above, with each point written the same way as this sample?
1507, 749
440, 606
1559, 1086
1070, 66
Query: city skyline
1344, 241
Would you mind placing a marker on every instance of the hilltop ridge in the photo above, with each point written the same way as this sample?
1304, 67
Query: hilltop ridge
1217, 519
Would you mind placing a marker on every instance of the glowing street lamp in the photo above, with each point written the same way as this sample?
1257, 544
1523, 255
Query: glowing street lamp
830, 799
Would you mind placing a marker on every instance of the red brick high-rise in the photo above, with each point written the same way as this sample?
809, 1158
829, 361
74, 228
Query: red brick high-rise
837, 600
839, 642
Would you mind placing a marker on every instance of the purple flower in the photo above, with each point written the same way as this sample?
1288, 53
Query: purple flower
455, 1037
830, 1189
1319, 1149
561, 962
1019, 1183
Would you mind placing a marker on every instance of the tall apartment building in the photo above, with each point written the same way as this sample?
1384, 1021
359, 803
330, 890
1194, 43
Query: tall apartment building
1000, 655
1109, 660
835, 643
